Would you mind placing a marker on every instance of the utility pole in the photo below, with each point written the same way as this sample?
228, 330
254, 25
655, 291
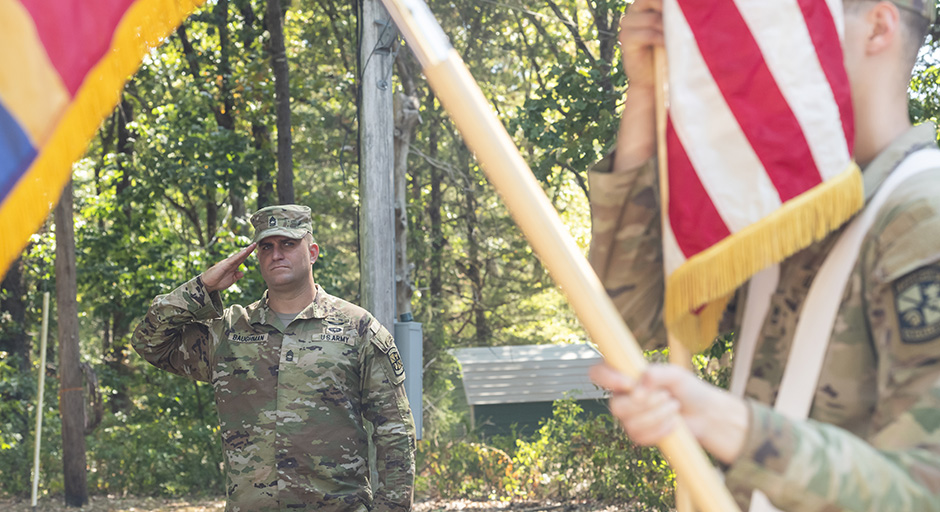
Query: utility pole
377, 35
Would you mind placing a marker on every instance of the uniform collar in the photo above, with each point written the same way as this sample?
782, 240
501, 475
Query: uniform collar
917, 138
321, 307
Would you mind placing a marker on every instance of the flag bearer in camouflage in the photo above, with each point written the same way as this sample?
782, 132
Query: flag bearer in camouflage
295, 375
872, 442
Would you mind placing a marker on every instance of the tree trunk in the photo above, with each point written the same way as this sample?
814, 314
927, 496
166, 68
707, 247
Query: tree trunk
473, 267
226, 119
474, 274
115, 358
264, 174
13, 337
435, 204
212, 220
71, 399
125, 147
285, 158
406, 118
238, 212
252, 30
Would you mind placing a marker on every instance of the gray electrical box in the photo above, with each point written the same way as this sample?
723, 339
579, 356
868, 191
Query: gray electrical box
409, 339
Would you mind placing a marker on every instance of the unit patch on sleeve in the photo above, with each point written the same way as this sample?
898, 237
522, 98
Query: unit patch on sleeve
917, 301
395, 358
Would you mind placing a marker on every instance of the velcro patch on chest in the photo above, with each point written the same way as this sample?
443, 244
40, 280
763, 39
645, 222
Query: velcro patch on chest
245, 337
336, 338
335, 329
917, 302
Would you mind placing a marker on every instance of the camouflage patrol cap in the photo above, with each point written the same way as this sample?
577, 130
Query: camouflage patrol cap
290, 220
926, 8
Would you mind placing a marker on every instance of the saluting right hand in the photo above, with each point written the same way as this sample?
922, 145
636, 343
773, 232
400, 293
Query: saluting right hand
224, 273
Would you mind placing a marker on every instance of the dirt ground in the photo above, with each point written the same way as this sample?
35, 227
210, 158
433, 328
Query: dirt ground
114, 504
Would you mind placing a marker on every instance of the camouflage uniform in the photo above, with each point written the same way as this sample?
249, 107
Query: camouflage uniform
873, 438
292, 398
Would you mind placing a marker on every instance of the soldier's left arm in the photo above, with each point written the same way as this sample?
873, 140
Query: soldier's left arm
385, 405
810, 465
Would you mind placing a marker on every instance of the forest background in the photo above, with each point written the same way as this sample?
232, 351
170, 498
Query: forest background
167, 185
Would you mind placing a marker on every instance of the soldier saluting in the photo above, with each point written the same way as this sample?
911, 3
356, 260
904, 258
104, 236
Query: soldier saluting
296, 375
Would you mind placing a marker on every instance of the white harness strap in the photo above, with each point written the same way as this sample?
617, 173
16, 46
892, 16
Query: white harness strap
818, 315
759, 291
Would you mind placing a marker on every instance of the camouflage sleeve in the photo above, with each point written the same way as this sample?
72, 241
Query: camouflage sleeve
385, 405
626, 245
896, 465
174, 336
811, 466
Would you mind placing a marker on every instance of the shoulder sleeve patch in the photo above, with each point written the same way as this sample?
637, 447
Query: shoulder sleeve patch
398, 367
917, 302
382, 339
905, 236
392, 362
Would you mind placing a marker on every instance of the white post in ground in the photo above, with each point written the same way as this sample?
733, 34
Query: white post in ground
42, 385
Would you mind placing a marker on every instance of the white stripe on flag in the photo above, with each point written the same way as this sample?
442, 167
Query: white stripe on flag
673, 257
724, 160
783, 38
838, 16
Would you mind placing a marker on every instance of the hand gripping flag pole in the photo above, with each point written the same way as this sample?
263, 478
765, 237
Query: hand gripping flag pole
507, 171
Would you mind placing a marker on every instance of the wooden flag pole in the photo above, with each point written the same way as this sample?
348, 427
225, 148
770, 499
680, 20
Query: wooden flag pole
679, 355
505, 168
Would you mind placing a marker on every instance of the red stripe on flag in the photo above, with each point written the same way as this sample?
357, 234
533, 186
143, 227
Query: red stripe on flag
751, 93
825, 36
694, 219
76, 33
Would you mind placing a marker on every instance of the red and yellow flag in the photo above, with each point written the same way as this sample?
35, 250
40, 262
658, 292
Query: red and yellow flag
63, 64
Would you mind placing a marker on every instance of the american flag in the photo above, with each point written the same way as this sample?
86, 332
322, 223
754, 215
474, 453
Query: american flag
759, 140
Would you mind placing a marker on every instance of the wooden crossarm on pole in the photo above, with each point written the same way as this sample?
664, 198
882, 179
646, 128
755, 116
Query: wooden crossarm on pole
506, 170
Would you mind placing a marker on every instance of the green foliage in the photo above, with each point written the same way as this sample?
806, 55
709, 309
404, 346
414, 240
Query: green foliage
166, 444
574, 455
18, 393
589, 456
713, 364
924, 104
470, 469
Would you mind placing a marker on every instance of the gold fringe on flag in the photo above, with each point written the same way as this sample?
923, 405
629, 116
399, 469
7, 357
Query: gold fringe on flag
144, 26
698, 291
